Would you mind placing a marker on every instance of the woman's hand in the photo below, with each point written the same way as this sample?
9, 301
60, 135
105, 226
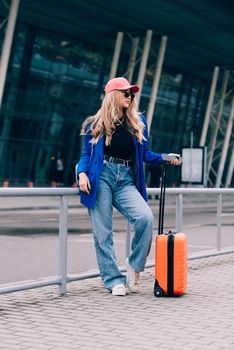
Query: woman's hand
84, 183
177, 160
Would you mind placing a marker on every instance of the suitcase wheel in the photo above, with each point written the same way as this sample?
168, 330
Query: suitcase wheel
158, 292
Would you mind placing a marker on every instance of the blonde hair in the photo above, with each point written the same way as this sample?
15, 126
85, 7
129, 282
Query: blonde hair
103, 122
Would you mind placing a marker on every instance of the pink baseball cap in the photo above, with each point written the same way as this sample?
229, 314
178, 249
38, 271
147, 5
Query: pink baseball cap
120, 83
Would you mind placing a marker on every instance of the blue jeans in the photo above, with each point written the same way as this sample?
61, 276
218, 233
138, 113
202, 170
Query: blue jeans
116, 188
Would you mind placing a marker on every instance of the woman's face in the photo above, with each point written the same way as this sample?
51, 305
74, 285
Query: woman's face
126, 98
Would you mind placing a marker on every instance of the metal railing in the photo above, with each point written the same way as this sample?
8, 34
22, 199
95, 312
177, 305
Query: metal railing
63, 193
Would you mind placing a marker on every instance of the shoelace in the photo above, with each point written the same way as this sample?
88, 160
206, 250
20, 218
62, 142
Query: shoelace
137, 277
120, 288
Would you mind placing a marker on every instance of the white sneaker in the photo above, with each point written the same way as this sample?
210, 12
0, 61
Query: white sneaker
119, 290
133, 278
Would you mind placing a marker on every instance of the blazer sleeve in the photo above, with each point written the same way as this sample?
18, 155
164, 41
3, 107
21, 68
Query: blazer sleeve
149, 156
82, 166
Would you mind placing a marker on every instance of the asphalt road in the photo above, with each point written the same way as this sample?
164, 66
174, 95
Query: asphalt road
29, 233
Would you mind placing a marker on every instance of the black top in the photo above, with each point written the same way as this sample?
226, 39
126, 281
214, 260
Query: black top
121, 145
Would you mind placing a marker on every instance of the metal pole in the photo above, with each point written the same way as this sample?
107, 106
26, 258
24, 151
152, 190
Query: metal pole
128, 240
191, 159
225, 146
132, 60
115, 60
63, 244
144, 60
205, 174
179, 210
157, 75
220, 111
7, 44
209, 106
230, 170
219, 222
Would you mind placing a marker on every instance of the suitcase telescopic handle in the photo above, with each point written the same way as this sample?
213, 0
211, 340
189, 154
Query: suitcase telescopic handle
167, 158
162, 199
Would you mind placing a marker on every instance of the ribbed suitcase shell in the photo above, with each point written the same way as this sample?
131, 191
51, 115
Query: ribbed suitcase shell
174, 265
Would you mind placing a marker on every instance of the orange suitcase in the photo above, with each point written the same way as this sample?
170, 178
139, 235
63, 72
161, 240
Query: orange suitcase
170, 256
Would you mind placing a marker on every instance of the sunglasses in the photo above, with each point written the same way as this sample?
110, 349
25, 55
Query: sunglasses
127, 94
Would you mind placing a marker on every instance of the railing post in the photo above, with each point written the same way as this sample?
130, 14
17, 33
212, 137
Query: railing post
63, 244
219, 222
128, 240
179, 209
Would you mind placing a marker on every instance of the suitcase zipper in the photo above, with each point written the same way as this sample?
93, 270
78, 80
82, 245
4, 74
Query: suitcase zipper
170, 265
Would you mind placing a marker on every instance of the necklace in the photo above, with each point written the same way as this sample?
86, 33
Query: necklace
120, 121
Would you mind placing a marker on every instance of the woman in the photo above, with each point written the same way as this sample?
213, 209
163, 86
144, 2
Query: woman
110, 173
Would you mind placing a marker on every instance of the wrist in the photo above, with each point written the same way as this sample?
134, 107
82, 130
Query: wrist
82, 174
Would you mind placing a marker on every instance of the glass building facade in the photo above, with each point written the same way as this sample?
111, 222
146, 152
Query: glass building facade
54, 82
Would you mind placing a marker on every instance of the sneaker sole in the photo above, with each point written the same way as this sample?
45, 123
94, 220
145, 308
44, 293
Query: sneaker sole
119, 294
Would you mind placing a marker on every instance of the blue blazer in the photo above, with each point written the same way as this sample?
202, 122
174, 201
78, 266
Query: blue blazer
91, 162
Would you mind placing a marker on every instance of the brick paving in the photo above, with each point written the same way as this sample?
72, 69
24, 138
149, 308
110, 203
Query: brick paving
90, 318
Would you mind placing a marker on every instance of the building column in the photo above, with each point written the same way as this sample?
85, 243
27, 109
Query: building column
230, 170
132, 59
157, 75
209, 106
218, 118
144, 59
225, 146
7, 44
115, 60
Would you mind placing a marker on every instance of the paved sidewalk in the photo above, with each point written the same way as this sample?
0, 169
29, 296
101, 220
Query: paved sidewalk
90, 318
